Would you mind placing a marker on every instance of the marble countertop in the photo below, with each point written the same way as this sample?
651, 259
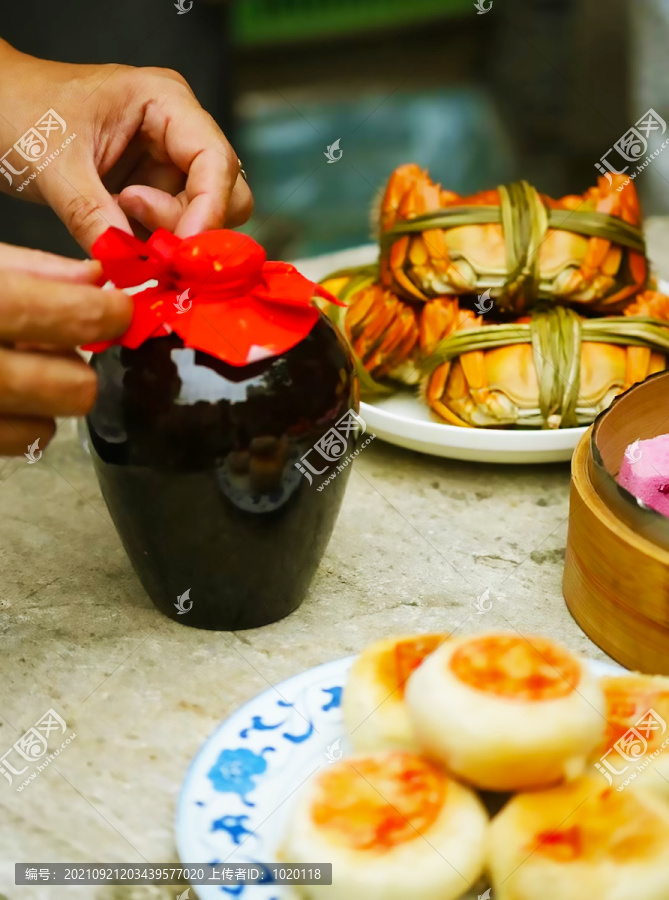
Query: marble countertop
418, 539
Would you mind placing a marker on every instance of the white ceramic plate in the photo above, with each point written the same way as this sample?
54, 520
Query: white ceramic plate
236, 798
404, 420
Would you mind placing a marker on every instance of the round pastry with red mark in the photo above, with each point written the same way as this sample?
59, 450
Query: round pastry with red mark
635, 748
374, 708
391, 824
506, 712
580, 841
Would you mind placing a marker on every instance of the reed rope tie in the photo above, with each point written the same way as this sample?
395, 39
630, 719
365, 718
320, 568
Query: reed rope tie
525, 221
556, 345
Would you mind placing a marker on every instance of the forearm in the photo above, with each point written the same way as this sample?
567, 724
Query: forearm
13, 70
41, 103
19, 111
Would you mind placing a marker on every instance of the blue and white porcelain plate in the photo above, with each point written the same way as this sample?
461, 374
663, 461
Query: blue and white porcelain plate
237, 795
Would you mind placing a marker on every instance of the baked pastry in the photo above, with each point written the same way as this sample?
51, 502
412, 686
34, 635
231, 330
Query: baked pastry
581, 841
375, 714
506, 712
391, 824
635, 748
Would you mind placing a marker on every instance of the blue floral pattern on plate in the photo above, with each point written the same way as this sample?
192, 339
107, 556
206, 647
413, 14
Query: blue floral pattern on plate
247, 772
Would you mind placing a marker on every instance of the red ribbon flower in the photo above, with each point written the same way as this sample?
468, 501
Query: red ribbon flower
216, 290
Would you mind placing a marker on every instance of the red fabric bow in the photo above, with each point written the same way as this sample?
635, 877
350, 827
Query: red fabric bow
215, 290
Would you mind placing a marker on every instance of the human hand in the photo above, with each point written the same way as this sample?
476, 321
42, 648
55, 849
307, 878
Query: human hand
145, 150
48, 306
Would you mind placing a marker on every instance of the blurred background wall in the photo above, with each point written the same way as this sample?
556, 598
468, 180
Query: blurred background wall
649, 39
538, 89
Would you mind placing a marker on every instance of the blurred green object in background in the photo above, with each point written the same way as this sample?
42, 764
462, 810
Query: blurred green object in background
275, 21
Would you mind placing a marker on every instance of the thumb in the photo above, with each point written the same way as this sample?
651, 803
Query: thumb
83, 204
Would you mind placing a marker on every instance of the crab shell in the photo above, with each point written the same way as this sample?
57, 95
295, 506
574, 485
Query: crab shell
499, 387
574, 269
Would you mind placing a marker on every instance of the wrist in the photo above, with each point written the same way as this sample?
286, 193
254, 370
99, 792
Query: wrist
15, 112
14, 67
32, 120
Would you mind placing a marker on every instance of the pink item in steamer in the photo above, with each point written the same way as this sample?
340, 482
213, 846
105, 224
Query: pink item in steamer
644, 472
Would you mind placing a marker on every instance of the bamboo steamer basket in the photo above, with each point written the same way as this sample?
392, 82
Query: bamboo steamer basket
616, 578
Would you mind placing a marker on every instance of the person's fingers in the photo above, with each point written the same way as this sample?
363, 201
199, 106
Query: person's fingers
144, 168
17, 434
48, 265
179, 127
240, 206
206, 209
165, 176
155, 208
151, 207
82, 202
36, 310
50, 349
34, 384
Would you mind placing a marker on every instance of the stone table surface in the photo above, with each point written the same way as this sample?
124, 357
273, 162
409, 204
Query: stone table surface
418, 539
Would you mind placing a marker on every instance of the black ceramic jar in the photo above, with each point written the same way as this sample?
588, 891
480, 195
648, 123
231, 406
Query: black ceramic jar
203, 468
